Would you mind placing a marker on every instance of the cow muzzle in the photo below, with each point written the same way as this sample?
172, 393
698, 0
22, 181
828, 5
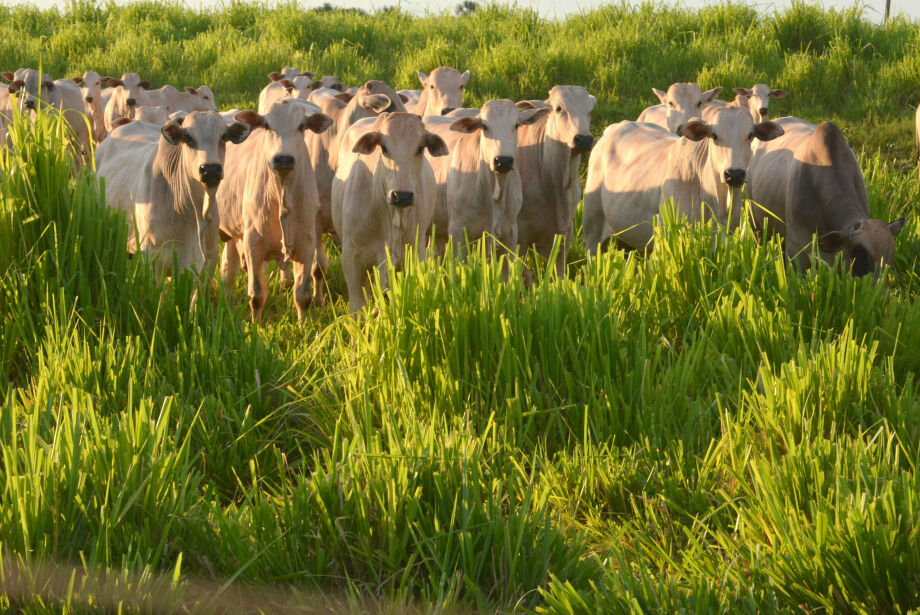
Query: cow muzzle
734, 177
89, 99
211, 173
583, 143
283, 163
503, 164
131, 102
764, 114
447, 110
29, 104
401, 198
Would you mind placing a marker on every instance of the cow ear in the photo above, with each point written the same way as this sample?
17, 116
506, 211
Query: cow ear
144, 84
662, 96
767, 131
435, 144
77, 80
422, 77
832, 242
777, 93
344, 96
224, 235
48, 86
338, 86
173, 132
191, 91
465, 78
121, 121
287, 84
378, 103
7, 75
112, 82
466, 125
710, 95
694, 130
236, 133
16, 86
403, 98
308, 74
743, 91
524, 105
896, 226
315, 85
317, 122
532, 115
250, 117
274, 76
367, 143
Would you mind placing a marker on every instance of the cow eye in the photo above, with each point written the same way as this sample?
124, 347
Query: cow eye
431, 86
699, 104
189, 140
384, 150
558, 108
671, 104
715, 137
421, 150
518, 125
751, 137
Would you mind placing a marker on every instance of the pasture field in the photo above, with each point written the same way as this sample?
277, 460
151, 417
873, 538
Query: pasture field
702, 430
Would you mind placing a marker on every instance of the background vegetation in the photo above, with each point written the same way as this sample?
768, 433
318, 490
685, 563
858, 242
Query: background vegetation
698, 431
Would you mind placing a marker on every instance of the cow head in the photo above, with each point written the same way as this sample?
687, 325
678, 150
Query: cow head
684, 101
867, 245
151, 115
33, 87
202, 137
92, 86
497, 124
202, 98
132, 90
444, 89
375, 87
569, 119
289, 73
330, 82
402, 140
759, 100
730, 131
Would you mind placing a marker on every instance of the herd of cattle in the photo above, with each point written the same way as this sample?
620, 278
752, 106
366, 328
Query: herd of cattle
381, 170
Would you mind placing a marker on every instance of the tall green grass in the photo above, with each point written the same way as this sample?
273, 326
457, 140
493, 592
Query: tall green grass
700, 430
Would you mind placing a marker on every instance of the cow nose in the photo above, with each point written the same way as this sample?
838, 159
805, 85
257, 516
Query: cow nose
131, 102
763, 112
583, 142
89, 99
282, 162
211, 173
30, 104
447, 110
401, 198
503, 164
734, 177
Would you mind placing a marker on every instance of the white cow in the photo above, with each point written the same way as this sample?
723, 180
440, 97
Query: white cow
758, 100
169, 176
191, 99
268, 202
549, 155
127, 93
441, 93
681, 103
91, 84
810, 182
382, 196
479, 188
637, 166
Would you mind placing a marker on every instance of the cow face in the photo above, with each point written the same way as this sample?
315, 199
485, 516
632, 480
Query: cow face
330, 82
401, 139
92, 86
569, 120
375, 87
497, 124
33, 88
867, 246
684, 101
132, 92
202, 98
759, 100
444, 87
730, 131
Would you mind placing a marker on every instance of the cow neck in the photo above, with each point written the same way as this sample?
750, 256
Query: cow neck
396, 216
557, 167
491, 189
169, 169
421, 108
840, 188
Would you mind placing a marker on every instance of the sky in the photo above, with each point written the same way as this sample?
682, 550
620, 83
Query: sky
875, 9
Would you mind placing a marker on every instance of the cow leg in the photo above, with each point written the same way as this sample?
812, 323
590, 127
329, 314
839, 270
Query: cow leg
355, 278
320, 266
287, 280
255, 260
303, 289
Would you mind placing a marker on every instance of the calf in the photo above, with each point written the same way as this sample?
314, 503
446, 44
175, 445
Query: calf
637, 166
191, 99
442, 92
758, 100
35, 89
810, 182
549, 154
479, 190
679, 104
128, 93
170, 176
288, 72
268, 202
372, 98
382, 196
91, 84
